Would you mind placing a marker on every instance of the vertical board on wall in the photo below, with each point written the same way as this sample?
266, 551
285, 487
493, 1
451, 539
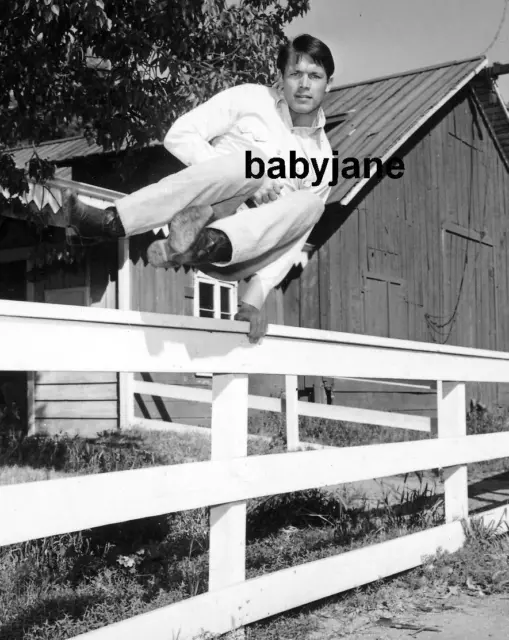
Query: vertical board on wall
310, 311
469, 299
386, 309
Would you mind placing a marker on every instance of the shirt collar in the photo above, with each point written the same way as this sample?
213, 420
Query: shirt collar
281, 104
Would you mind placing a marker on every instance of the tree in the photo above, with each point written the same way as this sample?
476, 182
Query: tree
124, 69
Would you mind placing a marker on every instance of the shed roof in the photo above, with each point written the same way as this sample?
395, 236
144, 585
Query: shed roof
61, 151
376, 117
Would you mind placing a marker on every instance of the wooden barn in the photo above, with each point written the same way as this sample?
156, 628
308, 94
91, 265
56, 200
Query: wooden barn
421, 257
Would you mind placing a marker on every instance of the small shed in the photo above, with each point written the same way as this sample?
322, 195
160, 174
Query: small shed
422, 257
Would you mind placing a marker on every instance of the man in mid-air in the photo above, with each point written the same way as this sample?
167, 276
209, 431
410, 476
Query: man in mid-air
227, 217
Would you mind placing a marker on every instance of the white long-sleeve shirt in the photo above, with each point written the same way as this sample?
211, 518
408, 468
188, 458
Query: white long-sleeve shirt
238, 118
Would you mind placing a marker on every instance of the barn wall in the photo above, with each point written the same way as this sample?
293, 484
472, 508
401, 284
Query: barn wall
77, 402
411, 260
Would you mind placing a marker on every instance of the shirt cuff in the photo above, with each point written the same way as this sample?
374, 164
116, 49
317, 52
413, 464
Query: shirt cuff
256, 292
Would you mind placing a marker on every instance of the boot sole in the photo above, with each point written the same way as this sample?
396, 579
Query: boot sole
161, 255
186, 226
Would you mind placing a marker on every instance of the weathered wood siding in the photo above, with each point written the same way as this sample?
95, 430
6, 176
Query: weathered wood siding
423, 257
74, 402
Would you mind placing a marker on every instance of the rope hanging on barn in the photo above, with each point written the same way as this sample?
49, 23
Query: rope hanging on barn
437, 323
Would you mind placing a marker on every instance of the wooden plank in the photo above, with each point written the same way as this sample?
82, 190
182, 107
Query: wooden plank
74, 377
124, 293
376, 307
452, 424
179, 410
332, 412
325, 286
76, 392
40, 509
76, 409
365, 384
227, 543
337, 316
387, 402
30, 380
431, 263
469, 234
185, 392
268, 595
310, 309
122, 344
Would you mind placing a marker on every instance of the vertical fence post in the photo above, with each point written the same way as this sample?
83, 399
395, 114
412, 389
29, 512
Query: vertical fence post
291, 413
227, 555
125, 382
452, 423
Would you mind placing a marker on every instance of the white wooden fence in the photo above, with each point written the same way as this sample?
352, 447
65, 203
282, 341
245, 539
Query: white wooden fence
63, 338
289, 405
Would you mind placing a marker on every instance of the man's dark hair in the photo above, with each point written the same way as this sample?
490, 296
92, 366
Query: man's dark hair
317, 50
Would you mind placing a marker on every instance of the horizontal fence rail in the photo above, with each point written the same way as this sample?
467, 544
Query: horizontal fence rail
277, 405
40, 509
259, 598
111, 340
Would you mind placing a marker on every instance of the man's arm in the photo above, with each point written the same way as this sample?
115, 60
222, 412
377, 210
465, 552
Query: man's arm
189, 137
259, 287
269, 277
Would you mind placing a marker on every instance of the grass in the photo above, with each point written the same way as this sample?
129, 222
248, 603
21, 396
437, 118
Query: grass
61, 586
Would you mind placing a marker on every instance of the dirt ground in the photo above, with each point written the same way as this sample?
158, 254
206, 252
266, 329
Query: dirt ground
459, 617
471, 618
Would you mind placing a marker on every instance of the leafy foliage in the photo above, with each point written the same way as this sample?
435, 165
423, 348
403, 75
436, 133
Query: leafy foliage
123, 70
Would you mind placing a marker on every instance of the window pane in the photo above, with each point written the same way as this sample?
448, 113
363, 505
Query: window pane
225, 301
206, 313
206, 298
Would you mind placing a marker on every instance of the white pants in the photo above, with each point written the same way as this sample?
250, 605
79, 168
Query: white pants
259, 236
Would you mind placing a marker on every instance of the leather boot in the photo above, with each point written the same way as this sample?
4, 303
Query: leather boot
89, 221
212, 245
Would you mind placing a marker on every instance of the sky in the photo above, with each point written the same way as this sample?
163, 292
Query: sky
371, 38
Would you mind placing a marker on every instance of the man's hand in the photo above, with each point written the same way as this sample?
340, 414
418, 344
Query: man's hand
258, 325
269, 191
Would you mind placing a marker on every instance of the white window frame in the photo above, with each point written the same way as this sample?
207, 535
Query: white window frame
217, 284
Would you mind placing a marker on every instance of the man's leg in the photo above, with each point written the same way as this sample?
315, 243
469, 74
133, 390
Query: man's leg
258, 237
197, 186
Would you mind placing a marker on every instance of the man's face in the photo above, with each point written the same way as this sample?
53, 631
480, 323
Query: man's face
304, 84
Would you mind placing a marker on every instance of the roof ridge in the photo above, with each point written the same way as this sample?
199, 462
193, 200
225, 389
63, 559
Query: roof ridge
406, 73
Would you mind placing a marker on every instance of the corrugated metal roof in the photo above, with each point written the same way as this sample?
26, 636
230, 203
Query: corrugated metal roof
56, 150
61, 151
381, 114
